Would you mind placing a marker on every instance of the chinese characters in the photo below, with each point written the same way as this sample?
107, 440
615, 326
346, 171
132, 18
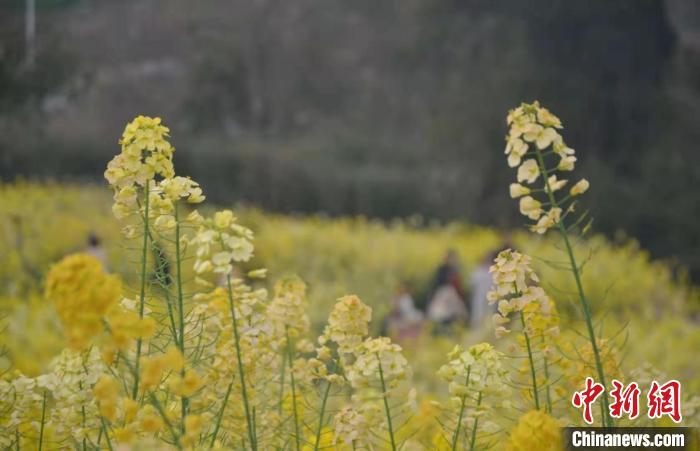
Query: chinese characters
661, 399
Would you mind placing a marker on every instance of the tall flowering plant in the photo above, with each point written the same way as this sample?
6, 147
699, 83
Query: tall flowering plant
535, 146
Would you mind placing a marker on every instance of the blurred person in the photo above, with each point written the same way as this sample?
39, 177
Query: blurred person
404, 320
446, 305
95, 248
480, 283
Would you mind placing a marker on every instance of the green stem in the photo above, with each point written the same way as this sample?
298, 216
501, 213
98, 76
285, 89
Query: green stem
532, 362
82, 407
387, 410
548, 396
84, 438
171, 316
43, 421
142, 295
181, 312
455, 436
221, 415
294, 394
589, 323
241, 373
106, 433
579, 286
476, 422
166, 420
324, 400
282, 379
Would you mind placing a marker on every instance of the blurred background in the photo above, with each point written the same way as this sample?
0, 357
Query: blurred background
383, 109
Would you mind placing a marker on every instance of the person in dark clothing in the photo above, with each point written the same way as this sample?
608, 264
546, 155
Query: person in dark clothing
448, 274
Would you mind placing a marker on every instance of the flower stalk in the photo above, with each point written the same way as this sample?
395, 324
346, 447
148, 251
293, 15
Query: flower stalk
472, 443
297, 436
321, 415
181, 313
531, 360
241, 373
142, 292
579, 285
387, 410
455, 435
533, 132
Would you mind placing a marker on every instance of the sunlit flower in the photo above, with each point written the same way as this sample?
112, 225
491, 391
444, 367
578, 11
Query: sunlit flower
547, 119
516, 148
288, 309
145, 152
511, 271
373, 352
580, 187
347, 323
177, 188
535, 430
547, 221
106, 393
554, 184
528, 171
350, 426
567, 163
221, 242
82, 294
517, 190
530, 207
476, 369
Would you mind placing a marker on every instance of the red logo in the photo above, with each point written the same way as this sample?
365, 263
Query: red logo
662, 399
586, 397
665, 400
626, 400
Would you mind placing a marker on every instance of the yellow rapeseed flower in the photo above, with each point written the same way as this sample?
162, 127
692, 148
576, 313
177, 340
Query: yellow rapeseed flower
580, 187
535, 430
83, 295
347, 323
528, 171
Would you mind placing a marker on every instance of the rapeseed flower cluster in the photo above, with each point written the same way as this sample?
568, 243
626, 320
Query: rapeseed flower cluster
350, 426
288, 308
516, 292
220, 242
145, 153
535, 430
347, 323
372, 354
477, 381
514, 289
83, 295
476, 369
143, 175
373, 368
533, 137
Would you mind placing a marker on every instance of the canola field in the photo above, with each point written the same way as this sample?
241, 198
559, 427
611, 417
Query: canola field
194, 327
